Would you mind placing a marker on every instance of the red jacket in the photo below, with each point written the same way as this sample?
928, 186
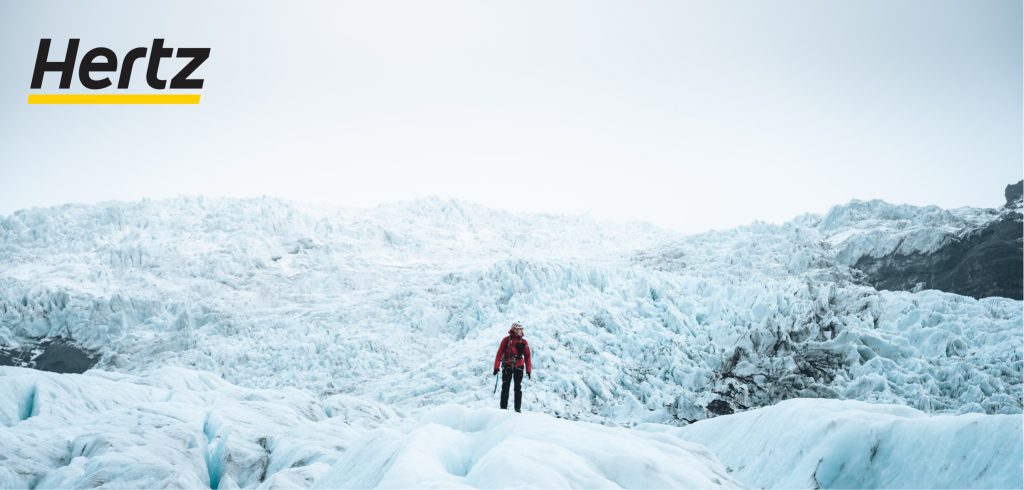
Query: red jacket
515, 349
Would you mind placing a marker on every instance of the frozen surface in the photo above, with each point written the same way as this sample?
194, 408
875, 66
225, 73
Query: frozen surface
184, 429
406, 303
172, 428
876, 228
264, 343
455, 447
812, 443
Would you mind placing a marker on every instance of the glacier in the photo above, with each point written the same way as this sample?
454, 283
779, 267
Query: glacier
179, 428
398, 310
186, 429
851, 444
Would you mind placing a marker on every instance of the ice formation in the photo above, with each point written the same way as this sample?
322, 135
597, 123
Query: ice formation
401, 308
850, 444
406, 303
185, 429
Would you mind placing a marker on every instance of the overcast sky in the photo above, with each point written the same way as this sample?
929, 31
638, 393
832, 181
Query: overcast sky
691, 115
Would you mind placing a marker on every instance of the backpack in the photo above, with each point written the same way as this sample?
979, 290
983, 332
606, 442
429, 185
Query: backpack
514, 351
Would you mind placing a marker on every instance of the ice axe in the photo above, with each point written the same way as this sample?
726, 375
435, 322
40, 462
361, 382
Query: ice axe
495, 383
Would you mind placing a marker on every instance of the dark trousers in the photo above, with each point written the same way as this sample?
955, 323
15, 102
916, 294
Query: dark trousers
507, 375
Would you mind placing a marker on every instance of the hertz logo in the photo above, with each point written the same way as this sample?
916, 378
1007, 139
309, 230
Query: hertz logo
97, 65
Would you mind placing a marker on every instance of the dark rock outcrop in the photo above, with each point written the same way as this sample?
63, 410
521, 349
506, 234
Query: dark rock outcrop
988, 261
55, 355
719, 407
1014, 193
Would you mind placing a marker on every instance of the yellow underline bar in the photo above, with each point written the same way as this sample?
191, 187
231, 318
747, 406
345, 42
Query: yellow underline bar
113, 98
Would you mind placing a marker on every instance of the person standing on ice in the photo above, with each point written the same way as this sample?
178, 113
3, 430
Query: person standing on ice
513, 357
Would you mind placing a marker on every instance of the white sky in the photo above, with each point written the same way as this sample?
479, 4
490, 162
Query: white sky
691, 115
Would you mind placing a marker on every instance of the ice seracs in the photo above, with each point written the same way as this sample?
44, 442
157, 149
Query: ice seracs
403, 303
264, 342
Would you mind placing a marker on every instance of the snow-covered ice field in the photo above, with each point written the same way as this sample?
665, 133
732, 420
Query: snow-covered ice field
186, 429
271, 343
814, 443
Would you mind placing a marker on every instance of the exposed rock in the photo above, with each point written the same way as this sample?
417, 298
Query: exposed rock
55, 355
1014, 193
988, 261
985, 263
720, 407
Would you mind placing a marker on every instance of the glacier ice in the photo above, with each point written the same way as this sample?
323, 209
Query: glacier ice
179, 428
259, 340
813, 443
186, 429
405, 304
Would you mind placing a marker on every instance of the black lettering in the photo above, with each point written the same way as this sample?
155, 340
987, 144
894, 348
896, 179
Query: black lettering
158, 51
182, 80
126, 66
101, 60
66, 67
89, 65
